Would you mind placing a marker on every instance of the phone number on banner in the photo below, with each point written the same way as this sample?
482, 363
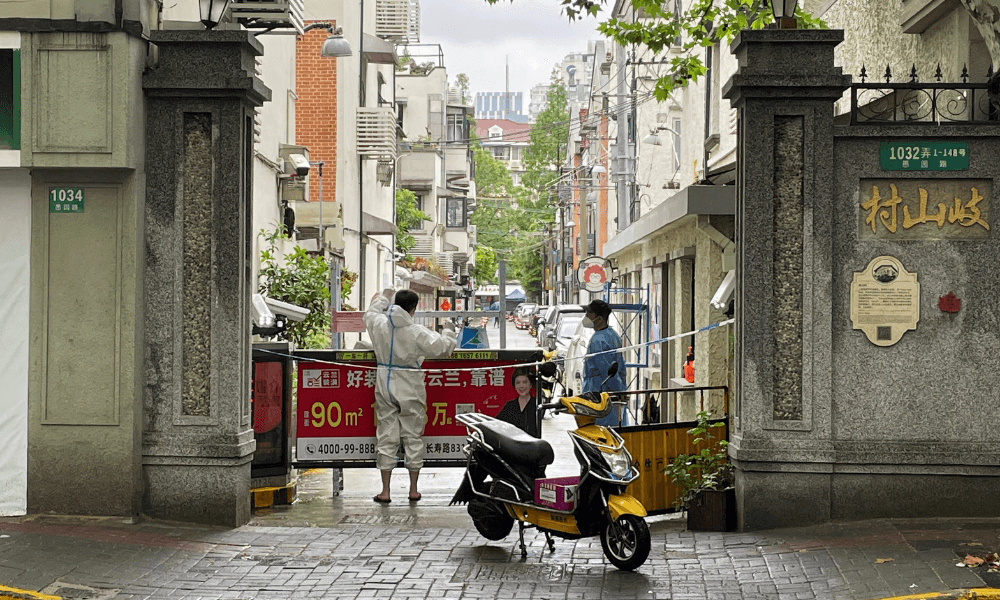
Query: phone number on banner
363, 448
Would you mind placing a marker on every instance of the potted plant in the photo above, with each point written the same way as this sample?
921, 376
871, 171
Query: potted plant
705, 479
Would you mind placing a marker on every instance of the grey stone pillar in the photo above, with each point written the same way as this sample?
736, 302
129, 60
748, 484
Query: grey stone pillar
197, 436
784, 89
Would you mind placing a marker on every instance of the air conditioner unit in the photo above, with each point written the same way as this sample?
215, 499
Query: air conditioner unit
269, 14
377, 133
398, 20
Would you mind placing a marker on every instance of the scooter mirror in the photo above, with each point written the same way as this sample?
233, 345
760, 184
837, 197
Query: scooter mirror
548, 369
613, 369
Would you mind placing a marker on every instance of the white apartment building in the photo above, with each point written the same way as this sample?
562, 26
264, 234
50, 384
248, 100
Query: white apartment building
435, 162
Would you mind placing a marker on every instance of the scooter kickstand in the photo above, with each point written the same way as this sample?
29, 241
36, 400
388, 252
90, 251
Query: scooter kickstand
520, 534
550, 542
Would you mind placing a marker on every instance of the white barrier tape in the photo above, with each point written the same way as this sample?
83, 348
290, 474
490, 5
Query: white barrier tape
515, 365
512, 366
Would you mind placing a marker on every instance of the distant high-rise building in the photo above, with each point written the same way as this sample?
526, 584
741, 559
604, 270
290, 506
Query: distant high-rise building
575, 72
500, 105
539, 95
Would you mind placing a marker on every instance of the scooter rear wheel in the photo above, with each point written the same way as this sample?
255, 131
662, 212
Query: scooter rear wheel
491, 520
626, 542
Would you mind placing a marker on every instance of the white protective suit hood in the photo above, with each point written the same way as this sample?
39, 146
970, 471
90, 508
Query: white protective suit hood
399, 342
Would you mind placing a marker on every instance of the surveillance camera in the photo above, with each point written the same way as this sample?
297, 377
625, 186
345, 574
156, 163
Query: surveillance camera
722, 297
262, 315
297, 164
294, 313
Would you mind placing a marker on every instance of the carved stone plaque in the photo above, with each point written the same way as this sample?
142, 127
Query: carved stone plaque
885, 301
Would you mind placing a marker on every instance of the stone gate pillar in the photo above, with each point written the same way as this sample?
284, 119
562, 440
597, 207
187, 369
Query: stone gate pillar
197, 436
784, 90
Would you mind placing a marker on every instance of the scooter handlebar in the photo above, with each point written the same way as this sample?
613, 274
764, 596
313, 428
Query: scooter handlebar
550, 406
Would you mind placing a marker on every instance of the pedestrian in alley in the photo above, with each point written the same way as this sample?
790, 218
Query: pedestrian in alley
400, 399
523, 410
602, 344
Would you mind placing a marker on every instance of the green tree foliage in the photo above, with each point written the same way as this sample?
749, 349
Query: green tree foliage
547, 148
408, 216
510, 218
485, 269
497, 203
702, 24
298, 279
462, 83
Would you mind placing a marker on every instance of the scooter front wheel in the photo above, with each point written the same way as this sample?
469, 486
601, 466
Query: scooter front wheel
626, 542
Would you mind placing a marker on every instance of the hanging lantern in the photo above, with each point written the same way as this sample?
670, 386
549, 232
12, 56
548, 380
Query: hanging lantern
211, 11
784, 13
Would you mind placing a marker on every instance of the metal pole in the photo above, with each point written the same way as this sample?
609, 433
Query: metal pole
334, 301
503, 304
322, 233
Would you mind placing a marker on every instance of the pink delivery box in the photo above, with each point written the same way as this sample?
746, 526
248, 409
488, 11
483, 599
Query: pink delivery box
557, 492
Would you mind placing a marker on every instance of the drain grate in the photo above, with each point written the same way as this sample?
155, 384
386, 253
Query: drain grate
377, 520
516, 572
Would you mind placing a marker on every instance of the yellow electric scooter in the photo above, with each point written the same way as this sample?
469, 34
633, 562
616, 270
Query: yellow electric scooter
505, 482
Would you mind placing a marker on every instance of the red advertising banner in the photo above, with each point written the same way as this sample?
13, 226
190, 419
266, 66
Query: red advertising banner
266, 396
336, 403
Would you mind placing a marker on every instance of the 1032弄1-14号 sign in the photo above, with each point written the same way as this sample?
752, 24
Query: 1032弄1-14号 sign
924, 156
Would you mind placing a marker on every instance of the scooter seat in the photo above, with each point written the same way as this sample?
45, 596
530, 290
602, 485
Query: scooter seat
515, 446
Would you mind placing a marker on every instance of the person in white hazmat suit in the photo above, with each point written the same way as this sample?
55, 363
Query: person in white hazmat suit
400, 399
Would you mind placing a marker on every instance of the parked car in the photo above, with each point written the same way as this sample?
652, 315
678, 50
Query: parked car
572, 380
523, 314
548, 322
512, 312
535, 318
563, 332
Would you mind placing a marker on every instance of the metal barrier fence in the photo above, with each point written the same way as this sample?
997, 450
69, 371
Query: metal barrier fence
655, 445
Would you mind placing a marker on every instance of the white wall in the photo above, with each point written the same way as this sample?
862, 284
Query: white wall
15, 246
277, 123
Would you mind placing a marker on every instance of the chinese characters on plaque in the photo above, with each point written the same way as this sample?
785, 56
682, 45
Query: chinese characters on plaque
924, 209
885, 301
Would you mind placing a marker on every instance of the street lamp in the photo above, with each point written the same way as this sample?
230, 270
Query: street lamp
784, 13
211, 11
335, 45
654, 139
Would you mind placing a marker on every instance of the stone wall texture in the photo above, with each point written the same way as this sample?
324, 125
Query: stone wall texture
787, 291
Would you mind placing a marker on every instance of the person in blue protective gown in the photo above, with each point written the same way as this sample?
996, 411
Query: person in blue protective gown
400, 398
599, 359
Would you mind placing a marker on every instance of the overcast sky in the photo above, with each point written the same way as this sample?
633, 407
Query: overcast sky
476, 37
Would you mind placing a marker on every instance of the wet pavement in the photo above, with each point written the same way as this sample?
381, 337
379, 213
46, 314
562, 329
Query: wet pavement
344, 545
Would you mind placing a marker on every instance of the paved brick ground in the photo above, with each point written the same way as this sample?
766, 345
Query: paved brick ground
872, 559
347, 547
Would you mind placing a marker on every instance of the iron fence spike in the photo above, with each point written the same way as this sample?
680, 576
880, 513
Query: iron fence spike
913, 73
864, 73
965, 74
937, 74
888, 74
